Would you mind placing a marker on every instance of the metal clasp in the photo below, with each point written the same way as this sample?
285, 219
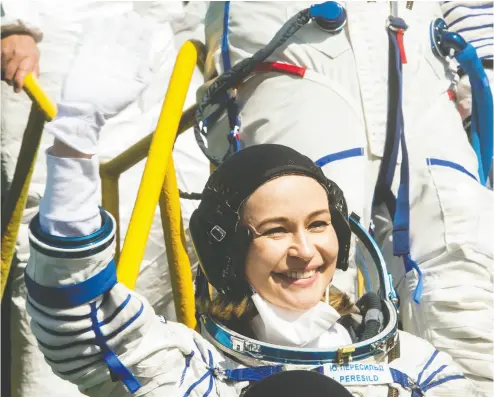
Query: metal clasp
344, 354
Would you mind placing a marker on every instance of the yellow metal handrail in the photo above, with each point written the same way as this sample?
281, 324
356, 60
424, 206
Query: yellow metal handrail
160, 162
43, 109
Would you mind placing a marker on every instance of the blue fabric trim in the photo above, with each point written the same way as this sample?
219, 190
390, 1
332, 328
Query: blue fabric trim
65, 318
196, 383
188, 358
441, 381
68, 296
467, 16
489, 25
450, 164
71, 359
101, 323
482, 46
432, 376
225, 53
93, 341
429, 362
481, 39
211, 379
355, 152
209, 372
117, 369
465, 6
104, 231
72, 254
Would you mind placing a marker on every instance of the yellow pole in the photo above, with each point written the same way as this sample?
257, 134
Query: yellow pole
38, 96
13, 206
176, 251
156, 167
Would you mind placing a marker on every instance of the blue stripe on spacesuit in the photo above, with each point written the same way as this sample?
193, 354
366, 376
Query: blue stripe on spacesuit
450, 164
355, 152
489, 25
93, 340
427, 364
82, 331
68, 296
209, 372
450, 24
473, 7
63, 317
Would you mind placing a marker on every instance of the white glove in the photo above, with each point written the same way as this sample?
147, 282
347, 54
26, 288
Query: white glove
464, 94
111, 69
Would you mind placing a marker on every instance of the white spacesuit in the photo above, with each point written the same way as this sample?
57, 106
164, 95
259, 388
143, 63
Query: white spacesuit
63, 25
325, 92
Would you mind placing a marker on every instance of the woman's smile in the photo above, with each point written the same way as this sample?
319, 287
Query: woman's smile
299, 278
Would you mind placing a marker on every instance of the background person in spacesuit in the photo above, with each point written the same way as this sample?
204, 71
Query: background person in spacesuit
331, 103
108, 333
62, 26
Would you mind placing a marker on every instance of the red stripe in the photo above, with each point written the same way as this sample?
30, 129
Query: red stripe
281, 68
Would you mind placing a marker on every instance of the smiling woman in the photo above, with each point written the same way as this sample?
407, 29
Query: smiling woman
292, 257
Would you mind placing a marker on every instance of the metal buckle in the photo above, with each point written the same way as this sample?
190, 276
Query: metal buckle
344, 354
217, 233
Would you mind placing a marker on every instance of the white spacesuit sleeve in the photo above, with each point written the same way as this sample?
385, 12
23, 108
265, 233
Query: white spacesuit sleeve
101, 336
473, 20
20, 17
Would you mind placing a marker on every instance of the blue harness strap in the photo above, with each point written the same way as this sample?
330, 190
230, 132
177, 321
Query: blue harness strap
482, 109
117, 369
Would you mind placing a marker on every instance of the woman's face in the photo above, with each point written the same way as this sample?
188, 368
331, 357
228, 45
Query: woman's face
293, 255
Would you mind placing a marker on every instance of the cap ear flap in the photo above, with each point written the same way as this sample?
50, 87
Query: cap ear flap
339, 217
343, 234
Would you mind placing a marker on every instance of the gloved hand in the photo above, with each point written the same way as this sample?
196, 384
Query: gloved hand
111, 69
464, 94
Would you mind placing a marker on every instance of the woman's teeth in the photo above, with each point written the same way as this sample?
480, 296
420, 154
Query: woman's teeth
300, 275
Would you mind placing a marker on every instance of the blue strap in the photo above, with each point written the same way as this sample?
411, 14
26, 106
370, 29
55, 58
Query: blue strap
401, 220
117, 369
482, 109
253, 374
355, 152
225, 53
188, 358
427, 364
209, 373
67, 296
441, 381
428, 384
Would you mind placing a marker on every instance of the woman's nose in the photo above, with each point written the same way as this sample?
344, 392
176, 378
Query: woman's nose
302, 247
